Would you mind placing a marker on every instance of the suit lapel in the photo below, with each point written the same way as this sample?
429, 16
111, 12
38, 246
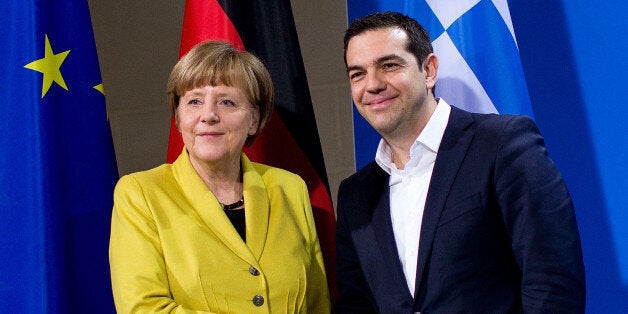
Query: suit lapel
378, 198
451, 153
384, 234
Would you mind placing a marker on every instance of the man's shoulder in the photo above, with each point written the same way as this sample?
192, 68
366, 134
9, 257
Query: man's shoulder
490, 122
369, 178
371, 171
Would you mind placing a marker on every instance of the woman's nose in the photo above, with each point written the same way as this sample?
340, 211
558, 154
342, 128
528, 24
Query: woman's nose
210, 115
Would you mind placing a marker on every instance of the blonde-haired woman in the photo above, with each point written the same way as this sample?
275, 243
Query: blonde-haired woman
214, 232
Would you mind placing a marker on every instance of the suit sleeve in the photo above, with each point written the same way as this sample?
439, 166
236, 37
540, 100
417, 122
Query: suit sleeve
539, 216
138, 270
354, 295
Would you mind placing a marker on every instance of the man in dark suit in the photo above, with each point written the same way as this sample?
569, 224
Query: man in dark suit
459, 212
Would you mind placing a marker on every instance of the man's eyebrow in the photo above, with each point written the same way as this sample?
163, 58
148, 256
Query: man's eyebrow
379, 61
353, 68
390, 57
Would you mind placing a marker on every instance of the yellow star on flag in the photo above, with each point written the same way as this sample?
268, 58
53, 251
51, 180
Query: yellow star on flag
100, 88
50, 66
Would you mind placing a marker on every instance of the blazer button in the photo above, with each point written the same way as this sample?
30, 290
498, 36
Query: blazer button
253, 271
258, 300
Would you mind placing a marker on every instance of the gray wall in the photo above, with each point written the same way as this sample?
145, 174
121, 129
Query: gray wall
138, 43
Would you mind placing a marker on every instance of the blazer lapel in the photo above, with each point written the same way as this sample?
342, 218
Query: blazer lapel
206, 208
257, 207
451, 153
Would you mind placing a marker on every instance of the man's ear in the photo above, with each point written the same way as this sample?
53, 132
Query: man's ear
430, 68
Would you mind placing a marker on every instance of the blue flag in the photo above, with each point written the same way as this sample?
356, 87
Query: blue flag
57, 163
479, 65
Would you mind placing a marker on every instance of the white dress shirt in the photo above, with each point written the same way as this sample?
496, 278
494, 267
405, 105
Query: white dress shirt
408, 188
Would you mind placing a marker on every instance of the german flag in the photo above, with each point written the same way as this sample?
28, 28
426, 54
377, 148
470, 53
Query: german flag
290, 139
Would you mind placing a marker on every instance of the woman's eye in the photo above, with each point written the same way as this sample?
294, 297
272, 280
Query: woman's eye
227, 102
194, 102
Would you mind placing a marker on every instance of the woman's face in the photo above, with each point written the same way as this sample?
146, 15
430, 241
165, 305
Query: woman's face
214, 122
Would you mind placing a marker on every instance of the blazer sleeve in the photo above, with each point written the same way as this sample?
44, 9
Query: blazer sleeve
138, 270
539, 215
354, 295
317, 294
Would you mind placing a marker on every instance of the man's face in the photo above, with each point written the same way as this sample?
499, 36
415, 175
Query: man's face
388, 85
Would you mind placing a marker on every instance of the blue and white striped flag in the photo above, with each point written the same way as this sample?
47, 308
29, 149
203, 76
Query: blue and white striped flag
479, 65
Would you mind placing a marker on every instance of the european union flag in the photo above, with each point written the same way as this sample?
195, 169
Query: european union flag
57, 162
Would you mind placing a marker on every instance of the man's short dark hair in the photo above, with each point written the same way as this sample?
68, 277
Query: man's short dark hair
419, 43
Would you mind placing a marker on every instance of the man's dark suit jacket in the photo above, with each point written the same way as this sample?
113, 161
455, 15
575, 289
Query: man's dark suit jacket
498, 235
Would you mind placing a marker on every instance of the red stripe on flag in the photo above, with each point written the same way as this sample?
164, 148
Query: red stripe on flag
203, 20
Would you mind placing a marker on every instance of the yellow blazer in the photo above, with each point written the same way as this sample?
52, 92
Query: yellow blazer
173, 249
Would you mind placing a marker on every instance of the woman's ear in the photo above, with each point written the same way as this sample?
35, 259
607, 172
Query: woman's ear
176, 119
254, 121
